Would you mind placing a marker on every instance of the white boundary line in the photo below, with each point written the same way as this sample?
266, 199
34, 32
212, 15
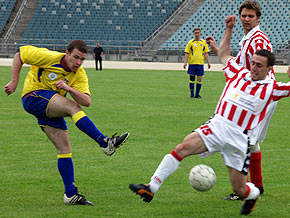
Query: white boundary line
144, 65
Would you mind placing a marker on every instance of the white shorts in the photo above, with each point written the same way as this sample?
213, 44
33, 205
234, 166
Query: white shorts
219, 135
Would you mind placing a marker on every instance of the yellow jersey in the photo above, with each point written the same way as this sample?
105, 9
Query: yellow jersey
46, 70
196, 51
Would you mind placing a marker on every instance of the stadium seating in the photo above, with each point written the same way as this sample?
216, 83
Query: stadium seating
102, 20
5, 11
116, 21
210, 16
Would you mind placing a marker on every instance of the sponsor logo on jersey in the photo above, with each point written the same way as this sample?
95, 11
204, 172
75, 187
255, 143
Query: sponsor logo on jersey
52, 76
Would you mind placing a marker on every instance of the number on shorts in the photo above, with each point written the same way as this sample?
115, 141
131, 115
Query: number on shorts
206, 130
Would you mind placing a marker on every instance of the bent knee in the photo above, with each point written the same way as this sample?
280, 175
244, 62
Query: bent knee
255, 148
75, 108
72, 108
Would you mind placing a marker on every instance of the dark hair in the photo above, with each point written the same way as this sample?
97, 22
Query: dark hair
270, 56
197, 28
251, 5
78, 44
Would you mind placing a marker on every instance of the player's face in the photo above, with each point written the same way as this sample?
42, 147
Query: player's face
197, 34
259, 68
249, 19
75, 59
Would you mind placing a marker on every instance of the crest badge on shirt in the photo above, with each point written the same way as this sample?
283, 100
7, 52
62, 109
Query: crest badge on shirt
52, 76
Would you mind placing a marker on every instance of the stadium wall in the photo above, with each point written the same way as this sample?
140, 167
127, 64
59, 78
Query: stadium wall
144, 65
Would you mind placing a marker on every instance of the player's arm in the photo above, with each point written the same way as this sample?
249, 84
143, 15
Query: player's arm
81, 98
15, 71
224, 49
185, 60
281, 90
207, 59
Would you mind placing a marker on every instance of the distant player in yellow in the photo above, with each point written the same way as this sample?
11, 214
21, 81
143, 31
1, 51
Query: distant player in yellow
52, 75
195, 52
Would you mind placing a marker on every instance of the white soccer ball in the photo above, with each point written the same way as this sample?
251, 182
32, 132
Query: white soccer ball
202, 178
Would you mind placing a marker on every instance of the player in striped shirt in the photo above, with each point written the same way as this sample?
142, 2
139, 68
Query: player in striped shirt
243, 104
253, 40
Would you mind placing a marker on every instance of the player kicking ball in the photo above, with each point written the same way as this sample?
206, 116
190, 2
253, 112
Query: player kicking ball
52, 75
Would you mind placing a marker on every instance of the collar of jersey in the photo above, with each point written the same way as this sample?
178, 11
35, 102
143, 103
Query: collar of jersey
267, 80
250, 34
64, 65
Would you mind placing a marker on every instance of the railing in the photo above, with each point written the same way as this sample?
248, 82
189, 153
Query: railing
17, 17
168, 21
128, 50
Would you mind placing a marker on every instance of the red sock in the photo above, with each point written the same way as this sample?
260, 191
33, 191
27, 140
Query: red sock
256, 169
177, 157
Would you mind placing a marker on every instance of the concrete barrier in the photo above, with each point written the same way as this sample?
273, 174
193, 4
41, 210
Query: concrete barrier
144, 65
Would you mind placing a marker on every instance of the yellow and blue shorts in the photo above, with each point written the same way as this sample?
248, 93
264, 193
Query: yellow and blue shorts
37, 102
195, 69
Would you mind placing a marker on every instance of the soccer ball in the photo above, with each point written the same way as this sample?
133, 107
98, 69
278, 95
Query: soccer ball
202, 178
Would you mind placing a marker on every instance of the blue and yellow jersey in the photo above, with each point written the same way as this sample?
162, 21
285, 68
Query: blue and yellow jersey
46, 70
196, 51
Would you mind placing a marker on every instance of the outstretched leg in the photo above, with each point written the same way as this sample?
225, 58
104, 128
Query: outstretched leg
191, 145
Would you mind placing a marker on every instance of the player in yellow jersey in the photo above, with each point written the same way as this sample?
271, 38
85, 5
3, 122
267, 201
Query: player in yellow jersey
195, 52
52, 75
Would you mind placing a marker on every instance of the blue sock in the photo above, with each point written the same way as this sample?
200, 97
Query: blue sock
87, 126
191, 88
66, 170
198, 87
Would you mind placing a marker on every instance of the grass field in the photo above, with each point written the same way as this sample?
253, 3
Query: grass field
155, 107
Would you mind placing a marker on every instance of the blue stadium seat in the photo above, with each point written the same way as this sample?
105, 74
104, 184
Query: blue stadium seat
5, 11
210, 17
99, 20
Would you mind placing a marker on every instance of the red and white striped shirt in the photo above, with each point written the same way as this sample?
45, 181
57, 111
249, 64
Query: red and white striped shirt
250, 43
245, 102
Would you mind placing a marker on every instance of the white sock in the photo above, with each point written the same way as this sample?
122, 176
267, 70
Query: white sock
167, 166
254, 191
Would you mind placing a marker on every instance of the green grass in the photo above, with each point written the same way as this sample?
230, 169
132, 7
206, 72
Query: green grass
155, 107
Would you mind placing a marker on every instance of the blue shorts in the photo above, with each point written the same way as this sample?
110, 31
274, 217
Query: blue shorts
195, 69
36, 103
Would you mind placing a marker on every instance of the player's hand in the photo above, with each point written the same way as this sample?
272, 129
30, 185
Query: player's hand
62, 85
208, 65
230, 21
288, 71
210, 41
184, 66
212, 44
10, 87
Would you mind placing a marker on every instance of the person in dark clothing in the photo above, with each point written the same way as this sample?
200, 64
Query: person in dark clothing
97, 54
